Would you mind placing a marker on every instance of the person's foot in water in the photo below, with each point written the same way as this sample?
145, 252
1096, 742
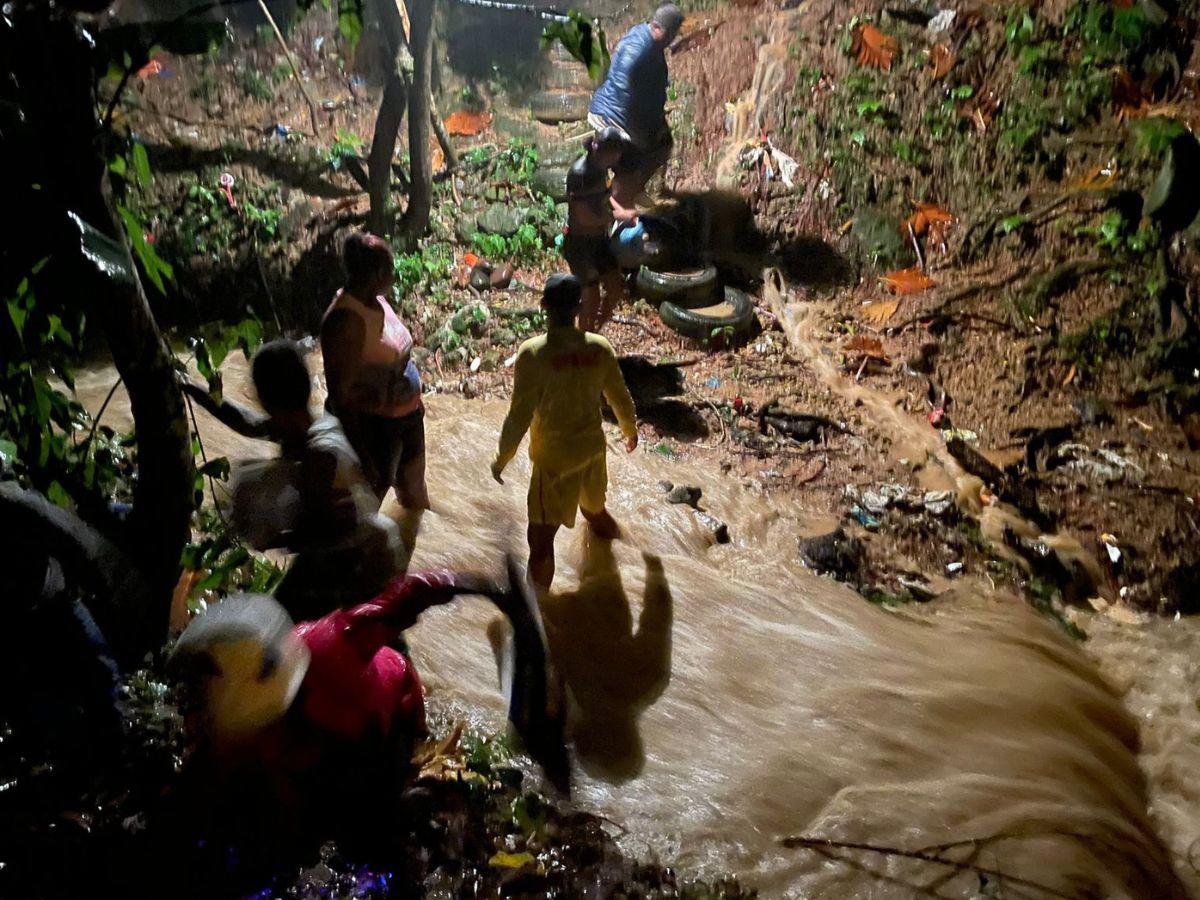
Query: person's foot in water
603, 525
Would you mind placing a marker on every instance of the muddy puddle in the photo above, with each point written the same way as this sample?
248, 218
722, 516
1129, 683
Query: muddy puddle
729, 699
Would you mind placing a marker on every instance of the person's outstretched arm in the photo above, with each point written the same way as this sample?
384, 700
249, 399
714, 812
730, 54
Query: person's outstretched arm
526, 391
245, 421
618, 397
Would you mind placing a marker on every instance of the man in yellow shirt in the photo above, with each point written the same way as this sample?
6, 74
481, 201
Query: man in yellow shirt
557, 385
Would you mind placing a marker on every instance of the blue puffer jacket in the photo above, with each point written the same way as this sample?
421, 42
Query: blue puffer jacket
635, 92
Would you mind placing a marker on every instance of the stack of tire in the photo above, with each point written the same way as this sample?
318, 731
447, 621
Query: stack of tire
566, 89
693, 302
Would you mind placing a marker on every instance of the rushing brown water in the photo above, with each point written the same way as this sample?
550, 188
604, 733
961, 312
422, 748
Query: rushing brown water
731, 699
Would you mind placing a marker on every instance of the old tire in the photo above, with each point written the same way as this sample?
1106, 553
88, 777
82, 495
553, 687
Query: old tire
686, 288
553, 107
735, 312
564, 77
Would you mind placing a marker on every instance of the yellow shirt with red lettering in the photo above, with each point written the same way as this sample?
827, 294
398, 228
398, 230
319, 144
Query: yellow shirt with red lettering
559, 379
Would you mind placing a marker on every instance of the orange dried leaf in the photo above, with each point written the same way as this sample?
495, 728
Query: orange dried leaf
465, 123
941, 61
1070, 376
907, 281
860, 345
873, 47
879, 312
1097, 179
927, 217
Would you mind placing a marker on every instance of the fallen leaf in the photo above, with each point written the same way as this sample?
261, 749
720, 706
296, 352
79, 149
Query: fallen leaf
806, 471
1070, 376
981, 109
861, 345
941, 61
1097, 179
879, 312
504, 860
928, 217
907, 281
437, 159
465, 123
872, 47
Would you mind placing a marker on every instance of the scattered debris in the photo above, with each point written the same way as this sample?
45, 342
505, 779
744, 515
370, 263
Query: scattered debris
864, 518
1098, 464
938, 503
774, 161
954, 568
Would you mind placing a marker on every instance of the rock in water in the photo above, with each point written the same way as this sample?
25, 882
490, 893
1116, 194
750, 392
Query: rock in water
836, 553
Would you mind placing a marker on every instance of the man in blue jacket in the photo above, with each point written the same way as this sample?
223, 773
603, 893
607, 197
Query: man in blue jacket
632, 99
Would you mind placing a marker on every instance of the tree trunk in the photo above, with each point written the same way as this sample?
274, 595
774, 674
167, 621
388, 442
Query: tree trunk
383, 148
420, 196
52, 64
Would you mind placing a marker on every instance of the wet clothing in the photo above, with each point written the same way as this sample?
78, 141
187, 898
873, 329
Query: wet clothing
345, 549
634, 93
559, 380
556, 494
386, 424
385, 381
588, 257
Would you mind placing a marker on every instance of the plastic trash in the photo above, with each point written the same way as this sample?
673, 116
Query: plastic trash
864, 518
226, 182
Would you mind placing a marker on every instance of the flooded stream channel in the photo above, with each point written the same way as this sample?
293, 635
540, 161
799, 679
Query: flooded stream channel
729, 698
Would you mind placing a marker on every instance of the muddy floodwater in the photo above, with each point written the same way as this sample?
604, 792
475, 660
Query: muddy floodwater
730, 699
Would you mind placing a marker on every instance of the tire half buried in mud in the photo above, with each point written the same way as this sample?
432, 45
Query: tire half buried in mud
686, 288
553, 107
735, 312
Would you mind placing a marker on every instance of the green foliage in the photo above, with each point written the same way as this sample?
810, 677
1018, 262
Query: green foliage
1153, 135
47, 439
224, 565
345, 144
431, 265
153, 266
207, 224
584, 39
524, 246
252, 83
213, 343
517, 162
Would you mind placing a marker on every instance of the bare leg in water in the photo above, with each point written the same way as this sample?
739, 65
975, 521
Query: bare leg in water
541, 545
589, 308
614, 294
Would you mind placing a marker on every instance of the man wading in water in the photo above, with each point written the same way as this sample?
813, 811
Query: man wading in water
633, 98
558, 381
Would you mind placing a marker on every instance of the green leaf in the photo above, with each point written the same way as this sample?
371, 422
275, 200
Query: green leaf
8, 452
350, 21
18, 316
141, 164
1011, 223
118, 166
57, 494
